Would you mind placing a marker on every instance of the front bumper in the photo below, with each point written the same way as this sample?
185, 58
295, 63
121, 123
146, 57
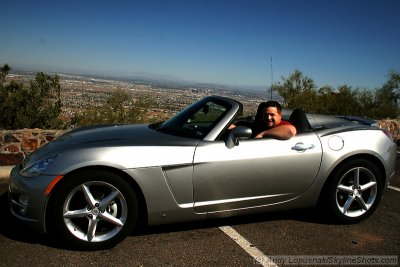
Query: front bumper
27, 200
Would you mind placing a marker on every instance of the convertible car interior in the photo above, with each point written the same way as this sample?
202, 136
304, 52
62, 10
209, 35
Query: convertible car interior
298, 119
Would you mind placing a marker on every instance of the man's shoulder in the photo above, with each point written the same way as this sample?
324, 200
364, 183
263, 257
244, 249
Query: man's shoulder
283, 122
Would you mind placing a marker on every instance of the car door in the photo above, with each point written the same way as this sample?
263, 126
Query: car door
254, 173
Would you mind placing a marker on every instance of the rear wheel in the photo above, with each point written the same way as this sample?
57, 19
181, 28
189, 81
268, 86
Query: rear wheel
354, 191
93, 210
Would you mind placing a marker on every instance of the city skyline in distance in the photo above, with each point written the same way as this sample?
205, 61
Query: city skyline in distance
139, 77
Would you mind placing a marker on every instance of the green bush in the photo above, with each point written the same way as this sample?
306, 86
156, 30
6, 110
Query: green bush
300, 91
36, 106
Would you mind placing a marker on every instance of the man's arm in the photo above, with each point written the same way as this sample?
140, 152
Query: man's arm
282, 132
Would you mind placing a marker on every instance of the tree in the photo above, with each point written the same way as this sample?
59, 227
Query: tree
386, 100
367, 104
344, 101
38, 106
298, 91
393, 85
3, 72
325, 100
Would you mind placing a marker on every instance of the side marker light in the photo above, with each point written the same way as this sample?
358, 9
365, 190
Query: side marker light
52, 184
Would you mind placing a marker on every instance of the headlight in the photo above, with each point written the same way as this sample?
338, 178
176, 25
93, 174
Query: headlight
38, 167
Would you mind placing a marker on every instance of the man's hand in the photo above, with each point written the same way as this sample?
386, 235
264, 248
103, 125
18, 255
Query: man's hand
259, 136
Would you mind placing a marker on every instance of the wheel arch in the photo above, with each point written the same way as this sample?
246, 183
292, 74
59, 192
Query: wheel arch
143, 217
373, 159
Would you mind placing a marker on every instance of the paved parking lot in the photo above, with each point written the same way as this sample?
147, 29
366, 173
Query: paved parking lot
242, 241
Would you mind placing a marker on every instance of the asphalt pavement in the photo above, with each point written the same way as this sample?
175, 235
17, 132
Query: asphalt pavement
240, 241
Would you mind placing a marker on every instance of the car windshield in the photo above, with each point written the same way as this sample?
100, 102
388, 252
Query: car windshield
196, 120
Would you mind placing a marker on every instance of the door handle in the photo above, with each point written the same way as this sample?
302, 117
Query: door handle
301, 147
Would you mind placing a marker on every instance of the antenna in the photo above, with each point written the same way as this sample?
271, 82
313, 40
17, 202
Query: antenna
272, 78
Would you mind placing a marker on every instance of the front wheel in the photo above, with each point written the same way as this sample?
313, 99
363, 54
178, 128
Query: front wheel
93, 210
354, 191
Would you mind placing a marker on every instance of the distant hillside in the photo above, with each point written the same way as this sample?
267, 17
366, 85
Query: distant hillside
161, 81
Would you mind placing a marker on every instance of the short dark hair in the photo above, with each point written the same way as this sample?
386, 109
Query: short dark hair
273, 104
260, 115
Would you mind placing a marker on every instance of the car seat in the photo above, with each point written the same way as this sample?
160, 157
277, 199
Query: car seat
299, 120
259, 120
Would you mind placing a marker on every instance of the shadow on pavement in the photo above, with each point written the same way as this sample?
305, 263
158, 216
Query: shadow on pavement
12, 228
304, 215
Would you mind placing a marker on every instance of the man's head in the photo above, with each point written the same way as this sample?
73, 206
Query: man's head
272, 115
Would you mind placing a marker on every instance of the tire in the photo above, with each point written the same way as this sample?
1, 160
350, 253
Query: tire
92, 210
354, 191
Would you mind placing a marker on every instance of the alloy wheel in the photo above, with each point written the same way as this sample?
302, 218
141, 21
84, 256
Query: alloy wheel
356, 192
95, 211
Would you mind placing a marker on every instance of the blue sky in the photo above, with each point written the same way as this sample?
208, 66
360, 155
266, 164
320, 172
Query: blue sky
334, 42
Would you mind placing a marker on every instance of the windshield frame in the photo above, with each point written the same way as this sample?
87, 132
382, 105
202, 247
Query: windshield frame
176, 125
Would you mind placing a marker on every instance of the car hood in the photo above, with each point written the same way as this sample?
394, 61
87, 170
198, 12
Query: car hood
108, 136
107, 133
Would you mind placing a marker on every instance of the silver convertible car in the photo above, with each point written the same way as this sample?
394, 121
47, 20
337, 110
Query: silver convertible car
92, 186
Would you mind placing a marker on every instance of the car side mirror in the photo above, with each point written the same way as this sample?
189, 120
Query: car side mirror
239, 132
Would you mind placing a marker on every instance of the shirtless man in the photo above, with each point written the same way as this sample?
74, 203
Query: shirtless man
269, 123
272, 124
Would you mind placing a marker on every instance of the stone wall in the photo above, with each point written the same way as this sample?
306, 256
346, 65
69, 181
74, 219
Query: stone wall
16, 144
394, 128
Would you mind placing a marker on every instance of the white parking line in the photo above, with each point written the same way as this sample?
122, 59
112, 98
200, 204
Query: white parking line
394, 188
249, 248
252, 250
